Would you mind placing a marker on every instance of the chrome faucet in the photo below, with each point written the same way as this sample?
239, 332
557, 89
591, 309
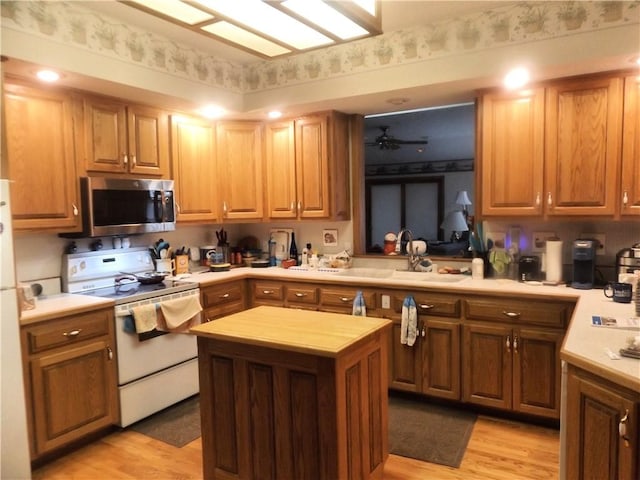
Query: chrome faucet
412, 259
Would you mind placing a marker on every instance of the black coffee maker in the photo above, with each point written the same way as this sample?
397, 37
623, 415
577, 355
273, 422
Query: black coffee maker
584, 264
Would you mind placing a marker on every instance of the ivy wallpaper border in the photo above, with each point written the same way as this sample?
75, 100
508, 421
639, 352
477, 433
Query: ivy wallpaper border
75, 25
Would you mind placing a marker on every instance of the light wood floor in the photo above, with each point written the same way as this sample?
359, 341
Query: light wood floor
498, 449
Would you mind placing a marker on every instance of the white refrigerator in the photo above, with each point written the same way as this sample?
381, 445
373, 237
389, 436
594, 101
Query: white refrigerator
14, 443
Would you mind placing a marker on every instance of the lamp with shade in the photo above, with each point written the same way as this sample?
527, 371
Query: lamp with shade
456, 223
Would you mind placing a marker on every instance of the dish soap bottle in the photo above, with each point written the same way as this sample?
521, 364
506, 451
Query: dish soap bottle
293, 249
305, 254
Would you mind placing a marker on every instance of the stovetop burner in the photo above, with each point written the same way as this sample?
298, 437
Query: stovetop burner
135, 291
95, 273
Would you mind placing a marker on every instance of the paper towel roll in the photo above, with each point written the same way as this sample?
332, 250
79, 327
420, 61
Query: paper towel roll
554, 260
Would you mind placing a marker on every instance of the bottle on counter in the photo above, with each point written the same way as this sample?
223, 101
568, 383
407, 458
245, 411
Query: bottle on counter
305, 254
477, 268
293, 249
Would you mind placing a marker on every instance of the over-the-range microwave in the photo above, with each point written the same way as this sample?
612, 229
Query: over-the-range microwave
125, 206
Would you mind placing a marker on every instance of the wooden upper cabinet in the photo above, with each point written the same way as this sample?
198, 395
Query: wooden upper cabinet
322, 166
582, 155
240, 165
512, 152
121, 138
40, 156
630, 178
194, 169
280, 165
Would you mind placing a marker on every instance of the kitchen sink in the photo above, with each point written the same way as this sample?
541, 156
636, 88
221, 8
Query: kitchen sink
366, 272
427, 276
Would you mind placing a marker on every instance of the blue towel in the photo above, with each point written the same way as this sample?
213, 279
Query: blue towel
359, 307
128, 324
409, 325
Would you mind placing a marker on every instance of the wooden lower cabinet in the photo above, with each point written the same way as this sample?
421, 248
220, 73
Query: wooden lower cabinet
70, 378
512, 368
223, 299
602, 434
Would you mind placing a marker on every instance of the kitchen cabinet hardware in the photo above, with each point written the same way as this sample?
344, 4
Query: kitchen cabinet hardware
346, 299
300, 294
511, 314
425, 306
125, 159
622, 427
625, 199
75, 209
508, 343
109, 353
224, 295
537, 202
515, 344
549, 199
73, 333
268, 292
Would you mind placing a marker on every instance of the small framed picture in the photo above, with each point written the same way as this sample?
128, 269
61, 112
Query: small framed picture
330, 238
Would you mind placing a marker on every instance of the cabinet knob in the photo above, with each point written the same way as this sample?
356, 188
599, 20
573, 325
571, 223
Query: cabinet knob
109, 353
508, 343
125, 158
224, 295
224, 208
75, 209
300, 294
549, 199
267, 292
299, 206
133, 160
515, 344
538, 199
625, 198
346, 299
73, 333
511, 314
425, 306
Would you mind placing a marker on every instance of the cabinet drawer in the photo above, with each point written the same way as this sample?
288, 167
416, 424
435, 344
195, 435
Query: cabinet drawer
268, 290
221, 294
546, 313
343, 297
431, 304
302, 294
68, 330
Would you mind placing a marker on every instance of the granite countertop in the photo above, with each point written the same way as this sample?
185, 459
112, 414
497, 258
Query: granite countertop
585, 345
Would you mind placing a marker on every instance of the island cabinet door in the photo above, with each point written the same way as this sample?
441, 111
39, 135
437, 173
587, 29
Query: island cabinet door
487, 365
602, 429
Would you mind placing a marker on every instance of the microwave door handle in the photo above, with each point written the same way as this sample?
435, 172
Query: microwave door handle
158, 203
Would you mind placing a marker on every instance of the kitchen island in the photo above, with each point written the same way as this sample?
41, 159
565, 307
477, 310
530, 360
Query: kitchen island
293, 394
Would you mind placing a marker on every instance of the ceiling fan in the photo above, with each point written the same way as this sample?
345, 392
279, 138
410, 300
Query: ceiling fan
389, 142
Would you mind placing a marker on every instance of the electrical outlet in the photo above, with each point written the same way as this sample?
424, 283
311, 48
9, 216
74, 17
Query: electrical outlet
601, 239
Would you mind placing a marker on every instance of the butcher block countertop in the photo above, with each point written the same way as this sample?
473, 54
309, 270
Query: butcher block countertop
318, 333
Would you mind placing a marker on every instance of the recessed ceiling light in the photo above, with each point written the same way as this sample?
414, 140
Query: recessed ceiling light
48, 76
516, 78
275, 114
212, 111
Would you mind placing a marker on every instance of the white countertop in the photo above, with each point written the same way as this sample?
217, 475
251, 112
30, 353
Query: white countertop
584, 345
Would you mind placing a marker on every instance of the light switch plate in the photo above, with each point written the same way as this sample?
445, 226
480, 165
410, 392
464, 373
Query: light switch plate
386, 301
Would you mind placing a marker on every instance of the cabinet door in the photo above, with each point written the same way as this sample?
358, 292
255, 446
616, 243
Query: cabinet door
312, 166
148, 141
74, 394
583, 146
240, 158
405, 362
536, 372
630, 179
512, 152
596, 447
41, 158
441, 359
280, 164
105, 130
487, 367
193, 164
